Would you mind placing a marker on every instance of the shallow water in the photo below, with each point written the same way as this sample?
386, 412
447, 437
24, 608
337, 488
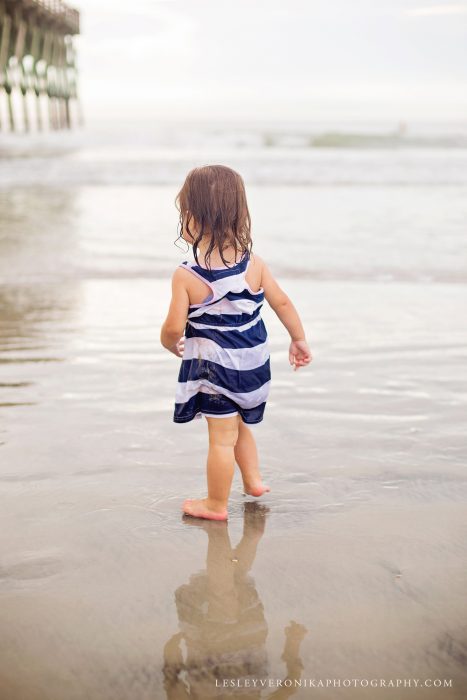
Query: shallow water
354, 566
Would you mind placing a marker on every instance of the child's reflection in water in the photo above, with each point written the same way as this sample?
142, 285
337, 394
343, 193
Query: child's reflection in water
223, 625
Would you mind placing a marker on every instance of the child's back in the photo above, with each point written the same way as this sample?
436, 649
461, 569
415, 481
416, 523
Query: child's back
225, 368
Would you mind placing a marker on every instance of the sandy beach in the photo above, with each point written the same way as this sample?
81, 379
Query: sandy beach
354, 566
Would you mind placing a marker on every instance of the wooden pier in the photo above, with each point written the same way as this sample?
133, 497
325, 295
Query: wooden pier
37, 64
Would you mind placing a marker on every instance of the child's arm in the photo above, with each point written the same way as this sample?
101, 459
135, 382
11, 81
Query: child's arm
299, 352
174, 325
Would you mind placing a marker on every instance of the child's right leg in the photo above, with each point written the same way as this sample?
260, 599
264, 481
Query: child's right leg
223, 435
246, 456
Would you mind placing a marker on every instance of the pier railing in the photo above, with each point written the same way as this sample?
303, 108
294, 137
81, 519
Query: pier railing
57, 11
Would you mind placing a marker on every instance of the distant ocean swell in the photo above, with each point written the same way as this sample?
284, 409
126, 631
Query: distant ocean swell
155, 154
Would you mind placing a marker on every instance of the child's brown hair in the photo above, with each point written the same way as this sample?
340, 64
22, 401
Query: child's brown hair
214, 196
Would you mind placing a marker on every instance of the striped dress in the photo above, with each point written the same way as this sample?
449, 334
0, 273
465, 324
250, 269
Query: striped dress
225, 367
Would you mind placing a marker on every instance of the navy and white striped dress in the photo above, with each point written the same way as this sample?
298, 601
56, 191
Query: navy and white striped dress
225, 366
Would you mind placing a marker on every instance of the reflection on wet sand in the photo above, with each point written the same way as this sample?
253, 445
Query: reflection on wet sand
31, 338
37, 306
222, 622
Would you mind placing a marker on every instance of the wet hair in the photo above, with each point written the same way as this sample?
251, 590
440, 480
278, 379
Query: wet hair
214, 196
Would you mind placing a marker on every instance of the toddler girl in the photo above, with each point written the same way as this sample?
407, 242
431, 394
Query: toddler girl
216, 303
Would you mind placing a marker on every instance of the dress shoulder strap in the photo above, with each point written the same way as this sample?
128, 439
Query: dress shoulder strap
220, 280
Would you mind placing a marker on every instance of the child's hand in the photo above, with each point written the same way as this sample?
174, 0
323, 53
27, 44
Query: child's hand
178, 348
299, 354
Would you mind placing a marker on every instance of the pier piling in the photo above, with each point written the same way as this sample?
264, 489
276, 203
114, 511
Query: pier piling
37, 59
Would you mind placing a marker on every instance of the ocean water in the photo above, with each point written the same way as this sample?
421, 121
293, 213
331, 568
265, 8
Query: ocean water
354, 566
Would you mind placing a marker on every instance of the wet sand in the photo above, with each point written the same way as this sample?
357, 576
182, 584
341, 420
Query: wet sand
353, 567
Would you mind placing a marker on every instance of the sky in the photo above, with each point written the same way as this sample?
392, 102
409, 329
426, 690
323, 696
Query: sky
270, 60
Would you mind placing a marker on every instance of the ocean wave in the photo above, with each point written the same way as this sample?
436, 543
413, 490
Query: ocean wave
130, 154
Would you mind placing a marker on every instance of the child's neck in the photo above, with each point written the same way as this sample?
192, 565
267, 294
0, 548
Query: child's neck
215, 259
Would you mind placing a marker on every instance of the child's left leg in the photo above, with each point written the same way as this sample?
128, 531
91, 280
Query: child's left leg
223, 435
246, 455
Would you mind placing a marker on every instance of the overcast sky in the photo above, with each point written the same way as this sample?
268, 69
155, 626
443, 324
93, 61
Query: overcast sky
274, 59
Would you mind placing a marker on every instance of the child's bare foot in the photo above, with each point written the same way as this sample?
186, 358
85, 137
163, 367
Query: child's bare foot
203, 508
256, 488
